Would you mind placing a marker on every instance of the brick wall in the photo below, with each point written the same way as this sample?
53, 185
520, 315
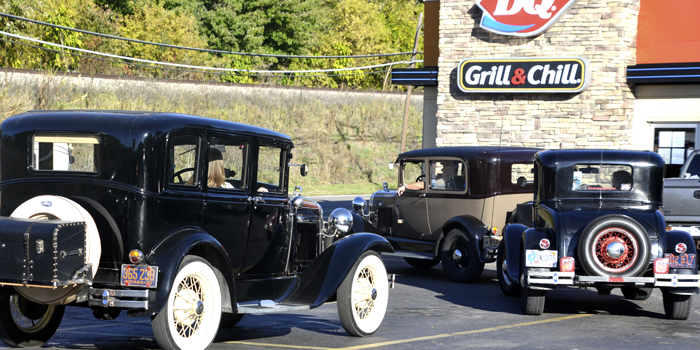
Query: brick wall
603, 32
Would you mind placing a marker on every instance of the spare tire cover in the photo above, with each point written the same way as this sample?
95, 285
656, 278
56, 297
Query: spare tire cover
61, 208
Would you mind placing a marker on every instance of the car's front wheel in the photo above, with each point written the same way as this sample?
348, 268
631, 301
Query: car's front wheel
460, 260
191, 316
364, 296
24, 323
507, 286
677, 307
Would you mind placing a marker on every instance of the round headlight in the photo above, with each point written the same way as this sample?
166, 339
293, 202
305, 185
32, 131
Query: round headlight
341, 220
359, 204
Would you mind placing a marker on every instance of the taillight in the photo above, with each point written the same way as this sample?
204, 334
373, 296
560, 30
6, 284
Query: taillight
494, 230
661, 266
567, 264
135, 256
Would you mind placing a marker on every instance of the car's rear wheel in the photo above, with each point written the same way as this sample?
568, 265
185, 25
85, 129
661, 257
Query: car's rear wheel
421, 263
531, 300
364, 296
677, 307
460, 260
508, 288
632, 293
614, 245
24, 323
191, 316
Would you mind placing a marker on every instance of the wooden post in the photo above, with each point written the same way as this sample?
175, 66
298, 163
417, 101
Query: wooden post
410, 87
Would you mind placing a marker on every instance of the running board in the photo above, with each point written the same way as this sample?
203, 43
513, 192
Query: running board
268, 306
411, 255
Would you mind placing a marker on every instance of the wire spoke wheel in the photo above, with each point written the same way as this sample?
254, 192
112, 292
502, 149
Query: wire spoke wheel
191, 318
614, 245
615, 250
364, 296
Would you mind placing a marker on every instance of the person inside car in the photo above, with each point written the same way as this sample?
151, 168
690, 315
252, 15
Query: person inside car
217, 173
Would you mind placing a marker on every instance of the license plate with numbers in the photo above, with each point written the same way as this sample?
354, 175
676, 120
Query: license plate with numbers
139, 276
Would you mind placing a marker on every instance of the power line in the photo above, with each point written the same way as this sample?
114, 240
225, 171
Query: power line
197, 49
187, 70
201, 67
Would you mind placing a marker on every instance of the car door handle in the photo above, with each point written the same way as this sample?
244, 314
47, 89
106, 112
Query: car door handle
422, 195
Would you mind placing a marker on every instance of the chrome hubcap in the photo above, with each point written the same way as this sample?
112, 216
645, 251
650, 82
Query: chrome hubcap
457, 255
199, 307
615, 249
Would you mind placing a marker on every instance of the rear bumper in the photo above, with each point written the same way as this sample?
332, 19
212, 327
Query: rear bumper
118, 298
549, 279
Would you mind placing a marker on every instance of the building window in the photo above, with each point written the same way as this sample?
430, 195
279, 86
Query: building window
674, 145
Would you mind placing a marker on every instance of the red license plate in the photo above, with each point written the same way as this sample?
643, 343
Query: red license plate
686, 261
139, 276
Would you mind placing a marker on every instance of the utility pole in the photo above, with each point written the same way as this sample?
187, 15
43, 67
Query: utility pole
410, 87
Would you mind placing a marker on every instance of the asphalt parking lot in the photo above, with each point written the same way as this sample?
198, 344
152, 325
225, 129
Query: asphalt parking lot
426, 311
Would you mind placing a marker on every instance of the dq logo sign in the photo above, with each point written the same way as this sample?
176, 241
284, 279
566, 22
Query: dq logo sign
521, 17
523, 75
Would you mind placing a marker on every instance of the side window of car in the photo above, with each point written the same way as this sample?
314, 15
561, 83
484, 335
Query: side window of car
227, 164
270, 169
412, 172
448, 175
522, 174
182, 160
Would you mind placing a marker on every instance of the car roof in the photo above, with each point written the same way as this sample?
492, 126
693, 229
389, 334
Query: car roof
108, 121
464, 152
569, 157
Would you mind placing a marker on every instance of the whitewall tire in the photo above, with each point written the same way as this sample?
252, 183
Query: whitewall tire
190, 319
363, 296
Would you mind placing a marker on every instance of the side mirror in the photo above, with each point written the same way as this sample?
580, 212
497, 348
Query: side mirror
304, 170
385, 186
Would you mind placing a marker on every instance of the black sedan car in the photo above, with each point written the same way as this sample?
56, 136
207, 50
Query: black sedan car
183, 219
451, 205
596, 222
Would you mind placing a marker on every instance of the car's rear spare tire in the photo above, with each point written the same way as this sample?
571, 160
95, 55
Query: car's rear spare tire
614, 245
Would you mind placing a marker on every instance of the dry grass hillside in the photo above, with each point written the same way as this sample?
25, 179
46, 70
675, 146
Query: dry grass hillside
346, 138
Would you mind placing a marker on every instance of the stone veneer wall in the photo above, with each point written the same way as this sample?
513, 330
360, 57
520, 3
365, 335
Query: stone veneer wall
602, 31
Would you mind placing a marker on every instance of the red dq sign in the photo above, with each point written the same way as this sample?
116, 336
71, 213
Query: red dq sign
521, 17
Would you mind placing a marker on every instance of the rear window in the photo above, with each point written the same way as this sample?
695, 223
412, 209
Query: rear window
62, 152
596, 177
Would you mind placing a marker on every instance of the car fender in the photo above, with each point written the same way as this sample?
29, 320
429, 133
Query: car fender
168, 254
672, 239
513, 236
322, 278
675, 237
475, 229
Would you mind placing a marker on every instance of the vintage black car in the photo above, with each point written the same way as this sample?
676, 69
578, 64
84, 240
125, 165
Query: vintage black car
596, 222
451, 205
175, 217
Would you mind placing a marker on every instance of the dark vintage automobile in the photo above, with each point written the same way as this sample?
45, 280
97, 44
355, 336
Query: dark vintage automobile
597, 223
183, 219
453, 204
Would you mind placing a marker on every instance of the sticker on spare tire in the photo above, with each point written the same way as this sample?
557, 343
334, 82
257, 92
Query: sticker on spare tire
683, 261
541, 258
